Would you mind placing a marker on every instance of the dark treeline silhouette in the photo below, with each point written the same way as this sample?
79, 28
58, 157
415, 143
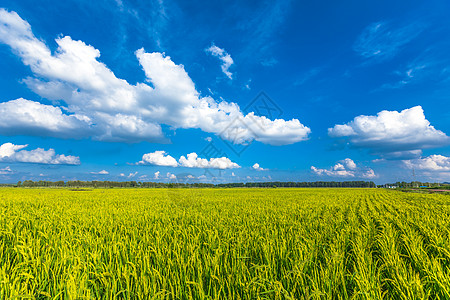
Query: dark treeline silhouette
134, 184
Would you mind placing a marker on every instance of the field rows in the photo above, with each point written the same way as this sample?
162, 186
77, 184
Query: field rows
224, 244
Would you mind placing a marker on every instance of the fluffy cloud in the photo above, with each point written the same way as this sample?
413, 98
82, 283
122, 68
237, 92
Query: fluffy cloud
156, 175
345, 168
171, 176
29, 117
107, 108
161, 158
158, 158
431, 163
193, 161
102, 172
392, 133
224, 57
13, 153
257, 167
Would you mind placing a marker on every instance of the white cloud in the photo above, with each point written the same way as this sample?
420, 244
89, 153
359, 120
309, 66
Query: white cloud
430, 163
161, 158
369, 174
226, 59
29, 117
171, 176
383, 41
9, 149
157, 175
158, 158
131, 175
257, 167
102, 172
193, 161
107, 108
345, 168
10, 153
392, 132
349, 164
6, 171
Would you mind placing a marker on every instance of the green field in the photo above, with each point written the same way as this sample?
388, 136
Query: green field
223, 244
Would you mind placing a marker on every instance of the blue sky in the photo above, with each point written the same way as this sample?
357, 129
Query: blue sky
224, 91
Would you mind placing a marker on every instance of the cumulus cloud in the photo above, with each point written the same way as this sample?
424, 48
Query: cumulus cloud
257, 167
158, 158
161, 158
392, 133
156, 175
193, 161
224, 57
13, 153
431, 163
171, 176
107, 108
29, 117
345, 168
102, 172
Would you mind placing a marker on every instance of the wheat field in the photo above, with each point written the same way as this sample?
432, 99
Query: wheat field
223, 244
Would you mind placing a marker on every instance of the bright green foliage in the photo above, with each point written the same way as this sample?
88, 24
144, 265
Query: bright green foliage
223, 244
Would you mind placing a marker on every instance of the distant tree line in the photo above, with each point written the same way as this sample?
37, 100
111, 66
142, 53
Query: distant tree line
414, 184
135, 184
315, 184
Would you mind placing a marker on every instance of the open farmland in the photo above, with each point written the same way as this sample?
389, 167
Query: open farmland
224, 244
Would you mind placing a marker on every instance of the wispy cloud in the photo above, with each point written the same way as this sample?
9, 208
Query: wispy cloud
260, 26
224, 57
429, 66
383, 40
6, 171
308, 75
102, 172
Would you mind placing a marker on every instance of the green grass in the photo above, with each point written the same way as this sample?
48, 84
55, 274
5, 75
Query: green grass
223, 244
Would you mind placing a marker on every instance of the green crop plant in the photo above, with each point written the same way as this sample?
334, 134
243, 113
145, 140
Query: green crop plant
223, 244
